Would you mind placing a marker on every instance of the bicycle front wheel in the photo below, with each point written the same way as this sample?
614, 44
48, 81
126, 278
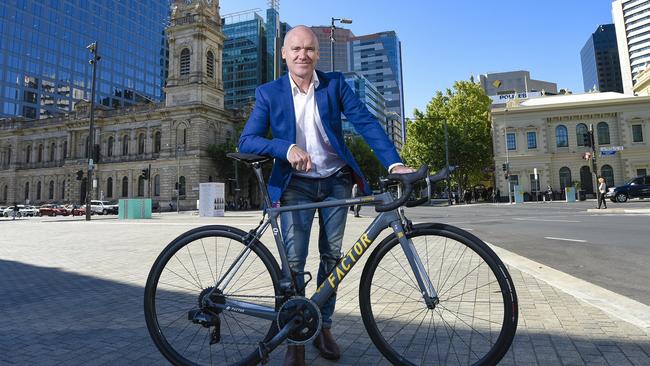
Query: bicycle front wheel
475, 320
187, 271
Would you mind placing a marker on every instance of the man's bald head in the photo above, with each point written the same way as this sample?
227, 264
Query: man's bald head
300, 31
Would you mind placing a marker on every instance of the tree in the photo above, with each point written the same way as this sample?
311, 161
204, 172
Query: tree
368, 162
466, 109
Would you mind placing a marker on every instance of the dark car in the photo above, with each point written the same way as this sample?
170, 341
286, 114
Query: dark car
638, 187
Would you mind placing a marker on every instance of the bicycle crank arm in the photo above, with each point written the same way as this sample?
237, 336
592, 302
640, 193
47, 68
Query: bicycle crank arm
265, 348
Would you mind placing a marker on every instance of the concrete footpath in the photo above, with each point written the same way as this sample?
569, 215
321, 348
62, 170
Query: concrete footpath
71, 293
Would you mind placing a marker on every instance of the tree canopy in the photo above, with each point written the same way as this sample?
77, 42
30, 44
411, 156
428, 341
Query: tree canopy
466, 109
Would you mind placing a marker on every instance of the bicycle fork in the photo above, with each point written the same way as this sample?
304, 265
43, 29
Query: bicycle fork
427, 290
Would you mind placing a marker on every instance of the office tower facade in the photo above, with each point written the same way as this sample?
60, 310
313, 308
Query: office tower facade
252, 53
511, 82
39, 160
44, 69
632, 22
378, 57
376, 104
342, 37
601, 69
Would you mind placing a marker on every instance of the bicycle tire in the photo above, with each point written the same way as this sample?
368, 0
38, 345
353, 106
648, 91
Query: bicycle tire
167, 303
445, 251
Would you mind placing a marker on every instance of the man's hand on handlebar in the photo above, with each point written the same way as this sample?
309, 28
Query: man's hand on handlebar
402, 169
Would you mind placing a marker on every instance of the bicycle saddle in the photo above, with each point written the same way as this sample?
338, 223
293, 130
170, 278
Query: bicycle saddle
248, 158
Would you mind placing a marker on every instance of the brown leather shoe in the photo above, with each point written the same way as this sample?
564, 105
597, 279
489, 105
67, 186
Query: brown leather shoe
327, 345
295, 356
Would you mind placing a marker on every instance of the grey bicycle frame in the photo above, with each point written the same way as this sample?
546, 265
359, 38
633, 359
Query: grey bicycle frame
346, 263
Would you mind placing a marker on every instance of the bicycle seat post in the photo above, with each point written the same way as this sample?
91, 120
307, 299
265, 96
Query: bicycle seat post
257, 168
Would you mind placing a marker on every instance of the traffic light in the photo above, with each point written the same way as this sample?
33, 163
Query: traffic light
176, 186
504, 166
80, 174
145, 173
506, 176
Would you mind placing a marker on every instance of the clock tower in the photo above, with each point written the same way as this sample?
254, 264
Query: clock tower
195, 49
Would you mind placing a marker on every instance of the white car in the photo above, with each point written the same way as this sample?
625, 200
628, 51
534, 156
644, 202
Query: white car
103, 207
22, 211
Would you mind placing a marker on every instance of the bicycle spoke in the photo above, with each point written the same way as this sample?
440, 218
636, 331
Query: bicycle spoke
463, 293
198, 285
464, 277
398, 278
212, 274
461, 339
404, 270
194, 265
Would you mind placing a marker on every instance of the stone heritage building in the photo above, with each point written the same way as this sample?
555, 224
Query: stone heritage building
39, 159
547, 133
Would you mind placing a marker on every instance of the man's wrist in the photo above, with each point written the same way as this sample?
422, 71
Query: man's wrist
390, 168
289, 150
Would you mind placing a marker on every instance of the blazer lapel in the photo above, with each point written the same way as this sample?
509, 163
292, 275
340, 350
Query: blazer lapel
288, 108
322, 102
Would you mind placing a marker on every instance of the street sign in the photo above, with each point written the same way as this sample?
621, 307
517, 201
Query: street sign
611, 148
606, 153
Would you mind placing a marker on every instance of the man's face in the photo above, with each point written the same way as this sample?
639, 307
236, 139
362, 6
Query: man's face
300, 51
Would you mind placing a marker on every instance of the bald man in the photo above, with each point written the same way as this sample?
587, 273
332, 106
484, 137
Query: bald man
312, 163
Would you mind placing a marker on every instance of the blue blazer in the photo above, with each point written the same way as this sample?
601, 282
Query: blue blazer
274, 109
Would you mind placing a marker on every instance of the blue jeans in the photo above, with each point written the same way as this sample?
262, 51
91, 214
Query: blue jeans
296, 226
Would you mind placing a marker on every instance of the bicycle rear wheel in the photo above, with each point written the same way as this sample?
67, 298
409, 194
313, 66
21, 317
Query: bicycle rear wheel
185, 272
473, 324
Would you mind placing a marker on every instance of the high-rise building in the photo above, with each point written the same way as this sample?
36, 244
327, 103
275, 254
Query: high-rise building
44, 67
511, 82
601, 69
252, 53
341, 56
376, 104
378, 57
632, 21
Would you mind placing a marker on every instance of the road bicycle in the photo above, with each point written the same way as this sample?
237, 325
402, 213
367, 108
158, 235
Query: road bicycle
430, 293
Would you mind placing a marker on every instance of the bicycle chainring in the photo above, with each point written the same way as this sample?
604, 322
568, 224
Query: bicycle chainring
311, 319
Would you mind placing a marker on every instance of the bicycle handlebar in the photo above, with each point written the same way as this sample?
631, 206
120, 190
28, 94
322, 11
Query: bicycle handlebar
407, 180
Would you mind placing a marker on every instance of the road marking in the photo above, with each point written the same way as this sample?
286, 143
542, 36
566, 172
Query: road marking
546, 220
565, 239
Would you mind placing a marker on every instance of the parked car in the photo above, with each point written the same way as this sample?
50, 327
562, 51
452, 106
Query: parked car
103, 207
8, 212
52, 210
28, 211
76, 210
638, 187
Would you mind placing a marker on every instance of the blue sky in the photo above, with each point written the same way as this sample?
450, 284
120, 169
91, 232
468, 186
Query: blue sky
445, 41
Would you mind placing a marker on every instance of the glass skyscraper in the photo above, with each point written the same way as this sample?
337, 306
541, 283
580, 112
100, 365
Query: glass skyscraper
600, 64
44, 67
378, 57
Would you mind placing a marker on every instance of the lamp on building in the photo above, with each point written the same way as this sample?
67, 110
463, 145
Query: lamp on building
332, 39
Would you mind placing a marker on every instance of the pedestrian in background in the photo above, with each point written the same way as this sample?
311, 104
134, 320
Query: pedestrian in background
602, 188
15, 211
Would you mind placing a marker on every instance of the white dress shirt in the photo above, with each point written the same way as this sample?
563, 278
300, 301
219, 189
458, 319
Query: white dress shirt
310, 135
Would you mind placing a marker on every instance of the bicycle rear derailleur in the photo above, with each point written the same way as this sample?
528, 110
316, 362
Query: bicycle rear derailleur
208, 317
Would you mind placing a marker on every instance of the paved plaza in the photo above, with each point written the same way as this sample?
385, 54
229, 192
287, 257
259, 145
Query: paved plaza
71, 293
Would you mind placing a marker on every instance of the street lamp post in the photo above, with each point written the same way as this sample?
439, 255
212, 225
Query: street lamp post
178, 178
332, 39
447, 162
91, 137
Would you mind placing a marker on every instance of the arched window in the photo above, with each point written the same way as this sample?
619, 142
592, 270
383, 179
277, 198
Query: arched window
63, 190
581, 132
125, 187
561, 136
185, 62
565, 178
181, 136
210, 65
603, 133
26, 191
5, 193
50, 191
109, 187
140, 186
109, 147
52, 150
141, 143
40, 153
157, 138
65, 149
156, 185
38, 191
181, 186
28, 154
608, 173
125, 145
